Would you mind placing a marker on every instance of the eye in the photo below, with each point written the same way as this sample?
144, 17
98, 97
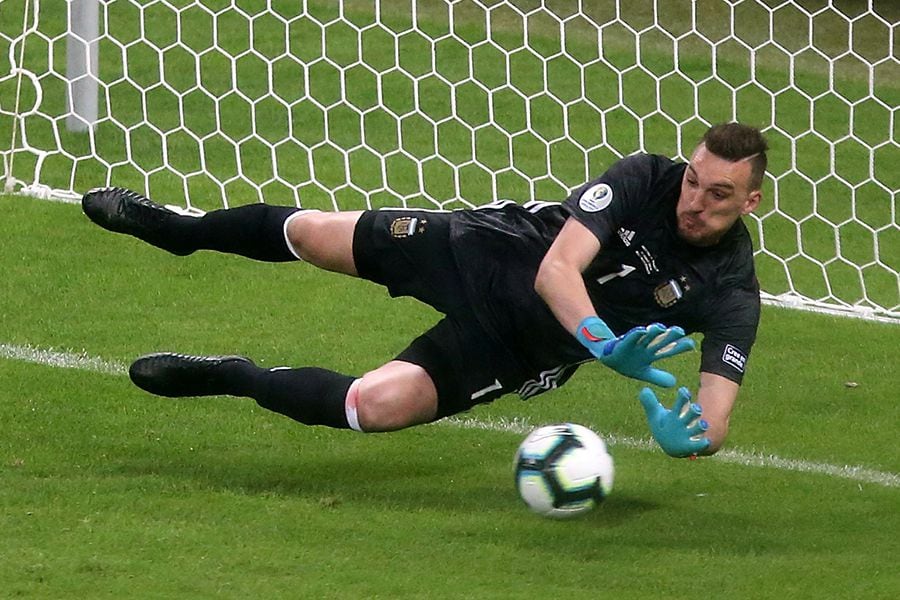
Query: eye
691, 182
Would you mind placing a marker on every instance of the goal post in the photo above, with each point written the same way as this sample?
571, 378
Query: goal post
82, 72
456, 103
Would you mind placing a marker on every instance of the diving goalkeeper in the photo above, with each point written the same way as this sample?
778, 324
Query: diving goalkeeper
528, 292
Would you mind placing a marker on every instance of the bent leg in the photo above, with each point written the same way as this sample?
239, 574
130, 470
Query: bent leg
394, 396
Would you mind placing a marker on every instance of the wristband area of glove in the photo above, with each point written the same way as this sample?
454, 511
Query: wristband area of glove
593, 330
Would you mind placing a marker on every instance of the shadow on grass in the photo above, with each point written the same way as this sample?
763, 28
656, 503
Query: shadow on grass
394, 479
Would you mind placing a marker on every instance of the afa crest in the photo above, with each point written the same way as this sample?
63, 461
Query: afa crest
403, 227
668, 293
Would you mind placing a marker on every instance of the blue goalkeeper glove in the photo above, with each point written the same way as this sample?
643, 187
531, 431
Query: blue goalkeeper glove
632, 353
679, 432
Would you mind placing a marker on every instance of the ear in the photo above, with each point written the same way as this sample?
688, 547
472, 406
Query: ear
752, 202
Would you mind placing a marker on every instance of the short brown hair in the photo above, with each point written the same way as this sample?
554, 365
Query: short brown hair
734, 142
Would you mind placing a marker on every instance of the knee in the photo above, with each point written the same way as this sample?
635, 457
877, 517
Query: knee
388, 402
303, 232
324, 239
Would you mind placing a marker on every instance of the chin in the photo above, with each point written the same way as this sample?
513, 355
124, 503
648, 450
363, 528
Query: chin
695, 238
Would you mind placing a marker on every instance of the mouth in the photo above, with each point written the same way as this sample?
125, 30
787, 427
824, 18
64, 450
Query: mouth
692, 229
689, 223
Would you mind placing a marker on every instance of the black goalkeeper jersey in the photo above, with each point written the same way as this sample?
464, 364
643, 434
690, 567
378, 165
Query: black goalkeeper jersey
644, 272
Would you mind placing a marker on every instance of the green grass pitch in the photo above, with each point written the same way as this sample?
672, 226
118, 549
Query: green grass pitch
107, 491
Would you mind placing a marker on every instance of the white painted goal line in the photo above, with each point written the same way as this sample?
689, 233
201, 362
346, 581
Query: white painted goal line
856, 473
68, 359
65, 359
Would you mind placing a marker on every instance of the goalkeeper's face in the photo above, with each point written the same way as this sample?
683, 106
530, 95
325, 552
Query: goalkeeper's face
715, 192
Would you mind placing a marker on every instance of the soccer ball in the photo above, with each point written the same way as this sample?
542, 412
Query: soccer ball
563, 470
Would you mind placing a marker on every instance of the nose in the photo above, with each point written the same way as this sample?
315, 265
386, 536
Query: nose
695, 201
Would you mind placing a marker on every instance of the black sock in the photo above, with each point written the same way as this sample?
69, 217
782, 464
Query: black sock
255, 231
309, 395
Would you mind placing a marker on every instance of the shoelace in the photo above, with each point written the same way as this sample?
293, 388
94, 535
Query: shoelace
140, 209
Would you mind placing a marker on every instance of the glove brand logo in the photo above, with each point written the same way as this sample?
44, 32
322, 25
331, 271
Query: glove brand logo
403, 227
596, 198
734, 357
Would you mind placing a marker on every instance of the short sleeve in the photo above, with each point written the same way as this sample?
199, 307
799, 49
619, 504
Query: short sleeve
604, 204
728, 340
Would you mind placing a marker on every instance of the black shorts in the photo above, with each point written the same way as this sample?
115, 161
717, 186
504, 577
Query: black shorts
409, 252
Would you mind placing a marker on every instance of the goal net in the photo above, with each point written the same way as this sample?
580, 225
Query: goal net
455, 103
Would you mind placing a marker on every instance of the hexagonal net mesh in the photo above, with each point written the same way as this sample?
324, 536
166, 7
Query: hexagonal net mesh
456, 103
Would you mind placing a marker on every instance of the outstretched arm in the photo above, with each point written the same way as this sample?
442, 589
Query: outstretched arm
716, 396
559, 282
692, 428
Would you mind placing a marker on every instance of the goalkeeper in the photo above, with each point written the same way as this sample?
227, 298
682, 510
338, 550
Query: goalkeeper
529, 292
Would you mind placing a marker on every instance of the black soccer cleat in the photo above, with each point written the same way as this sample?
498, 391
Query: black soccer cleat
180, 375
125, 211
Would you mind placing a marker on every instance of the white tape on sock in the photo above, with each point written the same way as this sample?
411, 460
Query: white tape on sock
350, 406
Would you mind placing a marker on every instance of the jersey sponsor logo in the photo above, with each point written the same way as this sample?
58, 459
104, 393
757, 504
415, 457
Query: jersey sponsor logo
596, 198
668, 293
734, 357
626, 235
403, 227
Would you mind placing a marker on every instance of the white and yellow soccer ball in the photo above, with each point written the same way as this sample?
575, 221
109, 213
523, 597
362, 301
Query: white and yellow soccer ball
563, 470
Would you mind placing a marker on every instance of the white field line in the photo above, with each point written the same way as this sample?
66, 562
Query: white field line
747, 459
82, 361
65, 359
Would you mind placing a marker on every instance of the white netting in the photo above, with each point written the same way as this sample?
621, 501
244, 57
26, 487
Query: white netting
455, 103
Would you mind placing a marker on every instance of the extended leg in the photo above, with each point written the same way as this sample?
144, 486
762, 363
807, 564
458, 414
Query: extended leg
258, 231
